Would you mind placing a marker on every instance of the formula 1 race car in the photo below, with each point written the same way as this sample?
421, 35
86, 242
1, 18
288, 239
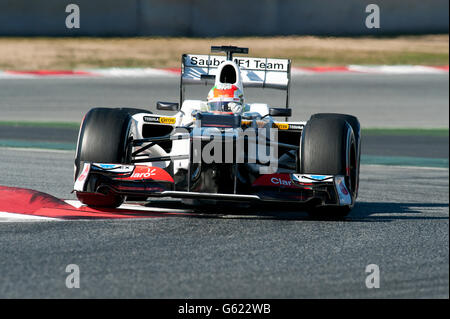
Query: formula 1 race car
209, 153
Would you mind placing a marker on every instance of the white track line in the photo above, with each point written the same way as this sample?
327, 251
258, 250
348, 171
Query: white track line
34, 149
136, 72
396, 69
137, 207
406, 167
155, 72
6, 217
13, 217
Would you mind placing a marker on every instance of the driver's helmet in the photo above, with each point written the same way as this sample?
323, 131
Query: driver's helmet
225, 98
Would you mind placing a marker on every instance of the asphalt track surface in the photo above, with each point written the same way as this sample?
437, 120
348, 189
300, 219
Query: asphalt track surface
399, 223
414, 100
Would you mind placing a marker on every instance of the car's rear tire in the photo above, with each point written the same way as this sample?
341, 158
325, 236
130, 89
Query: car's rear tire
103, 138
328, 147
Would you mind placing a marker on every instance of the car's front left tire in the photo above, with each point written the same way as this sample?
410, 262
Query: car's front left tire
103, 138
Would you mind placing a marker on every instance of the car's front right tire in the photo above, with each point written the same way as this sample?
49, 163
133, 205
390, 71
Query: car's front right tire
328, 147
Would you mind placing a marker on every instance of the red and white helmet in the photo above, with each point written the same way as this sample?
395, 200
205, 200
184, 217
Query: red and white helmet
225, 97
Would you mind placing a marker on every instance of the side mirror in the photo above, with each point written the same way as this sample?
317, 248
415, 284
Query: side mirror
278, 111
167, 106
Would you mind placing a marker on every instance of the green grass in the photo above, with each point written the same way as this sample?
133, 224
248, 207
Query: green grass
73, 125
404, 161
407, 131
38, 144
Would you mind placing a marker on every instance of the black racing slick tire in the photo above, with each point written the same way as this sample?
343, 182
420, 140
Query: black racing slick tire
356, 126
328, 147
103, 138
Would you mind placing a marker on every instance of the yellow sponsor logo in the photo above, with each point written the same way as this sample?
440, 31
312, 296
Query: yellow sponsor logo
167, 120
281, 126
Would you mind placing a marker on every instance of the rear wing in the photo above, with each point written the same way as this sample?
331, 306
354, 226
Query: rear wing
255, 72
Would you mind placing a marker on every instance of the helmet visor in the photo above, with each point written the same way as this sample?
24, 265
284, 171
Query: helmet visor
220, 106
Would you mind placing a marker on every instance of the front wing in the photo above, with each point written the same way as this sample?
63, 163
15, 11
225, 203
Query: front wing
148, 181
